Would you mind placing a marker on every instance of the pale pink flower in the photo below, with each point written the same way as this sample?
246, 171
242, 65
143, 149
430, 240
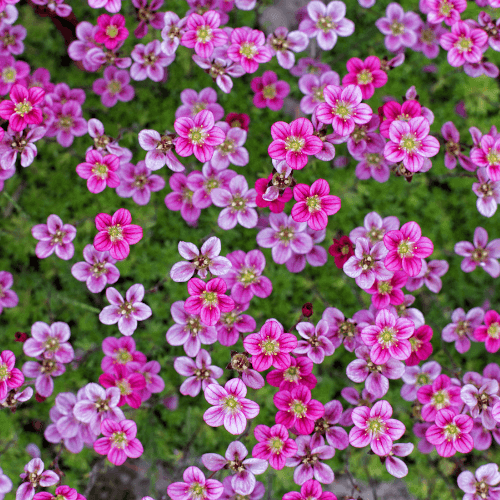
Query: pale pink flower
195, 487
194, 102
35, 475
203, 183
18, 142
182, 198
284, 43
54, 237
269, 91
147, 14
483, 482
313, 85
231, 151
43, 372
110, 5
159, 150
462, 328
481, 400
489, 333
374, 228
49, 342
415, 377
325, 426
8, 298
316, 344
136, 181
172, 32
399, 27
310, 490
113, 87
149, 61
430, 275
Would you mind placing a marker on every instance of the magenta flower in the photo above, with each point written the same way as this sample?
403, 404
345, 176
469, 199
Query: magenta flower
343, 109
21, 109
399, 27
243, 480
274, 444
284, 44
116, 233
488, 193
453, 149
197, 135
119, 441
120, 351
298, 373
147, 15
13, 72
415, 377
208, 299
297, 409
481, 253
114, 87
247, 48
270, 347
326, 22
35, 476
195, 487
230, 407
8, 298
11, 39
203, 33
450, 433
487, 154
375, 427
159, 150
294, 142
194, 102
130, 384
366, 74
462, 327
200, 372
463, 44
388, 292
441, 394
421, 347
138, 182
172, 32
100, 171
49, 342
62, 492
316, 344
125, 312
68, 123
310, 490
182, 198
54, 237
112, 31
269, 91
444, 10
149, 61
406, 249
10, 377
393, 111
482, 484
490, 332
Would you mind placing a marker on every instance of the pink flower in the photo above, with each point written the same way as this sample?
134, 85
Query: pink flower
159, 150
284, 44
421, 347
21, 109
109, 5
43, 372
415, 377
172, 32
100, 171
111, 30
34, 476
138, 183
68, 123
194, 102
438, 396
146, 13
481, 400
10, 377
116, 233
49, 342
407, 247
490, 332
232, 324
204, 182
482, 482
488, 193
269, 91
230, 407
326, 22
394, 465
444, 10
13, 72
241, 364
62, 492
487, 155
428, 39
392, 111
481, 253
198, 135
274, 444
430, 275
297, 409
310, 490
113, 87
130, 384
195, 487
125, 312
11, 39
374, 227
247, 48
367, 75
203, 33
463, 44
399, 27
462, 327
16, 142
54, 237
308, 65
325, 426
375, 427
270, 347
450, 433
182, 198
294, 142
208, 299
343, 109
149, 62
119, 441
388, 292
120, 351
314, 204
312, 86
231, 150
8, 298
298, 373
316, 344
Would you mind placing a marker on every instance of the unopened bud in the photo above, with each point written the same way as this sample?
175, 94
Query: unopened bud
20, 337
307, 310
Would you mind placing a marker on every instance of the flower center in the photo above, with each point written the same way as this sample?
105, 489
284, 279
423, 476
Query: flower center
464, 44
486, 189
202, 374
165, 143
187, 196
48, 366
279, 44
211, 183
115, 233
114, 87
23, 107
197, 491
248, 50
58, 237
66, 122
269, 91
98, 269
210, 299
415, 343
463, 328
365, 77
384, 287
317, 93
226, 147
231, 404
298, 408
197, 135
376, 425
4, 373
150, 59
397, 28
422, 379
123, 356
482, 490
204, 34
345, 249
387, 337
124, 387
493, 157
119, 440
140, 181
405, 249
112, 31
445, 8
238, 203
285, 235
193, 325
52, 344
366, 262
269, 347
313, 203
276, 445
100, 170
294, 144
342, 109
409, 143
427, 36
325, 24
292, 374
248, 276
451, 431
479, 255
9, 75
239, 362
494, 331
440, 400
359, 133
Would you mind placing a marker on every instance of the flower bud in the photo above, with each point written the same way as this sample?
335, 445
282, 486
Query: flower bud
20, 337
307, 310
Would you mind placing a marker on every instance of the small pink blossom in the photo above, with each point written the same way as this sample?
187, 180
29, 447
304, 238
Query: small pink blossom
269, 91
43, 372
298, 373
430, 275
195, 487
487, 154
147, 14
310, 490
284, 43
444, 10
374, 227
439, 395
421, 347
481, 401
274, 444
316, 345
247, 48
483, 482
172, 32
149, 62
489, 333
159, 150
130, 384
325, 426
202, 33
34, 475
415, 377
366, 74
488, 193
399, 27
313, 85
8, 298
136, 181
112, 31
10, 376
21, 109
462, 328
113, 87
231, 150
181, 198
49, 342
388, 292
99, 170
54, 237
463, 44
194, 102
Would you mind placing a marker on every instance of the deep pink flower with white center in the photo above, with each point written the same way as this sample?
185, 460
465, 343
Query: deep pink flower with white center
10, 376
172, 32
98, 403
294, 142
230, 407
487, 155
244, 470
195, 487
489, 333
21, 109
116, 233
375, 427
399, 27
208, 299
389, 291
269, 91
375, 376
366, 74
203, 183
34, 475
325, 426
136, 181
430, 275
114, 87
194, 102
481, 400
307, 460
112, 31
421, 347
314, 204
274, 444
488, 193
198, 135
239, 203
366, 264
54, 237
298, 373
203, 33
99, 170
43, 372
343, 109
231, 150
316, 344
451, 433
415, 377
149, 62
159, 150
482, 484
481, 253
440, 395
310, 490
8, 298
270, 347
120, 351
327, 23
393, 111
130, 384
11, 39
374, 228
463, 44
406, 249
297, 409
200, 372
119, 441
313, 85
244, 277
284, 43
247, 48
182, 198
49, 342
444, 10
125, 312
462, 328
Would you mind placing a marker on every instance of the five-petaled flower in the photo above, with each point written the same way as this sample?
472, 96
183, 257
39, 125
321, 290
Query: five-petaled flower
21, 109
